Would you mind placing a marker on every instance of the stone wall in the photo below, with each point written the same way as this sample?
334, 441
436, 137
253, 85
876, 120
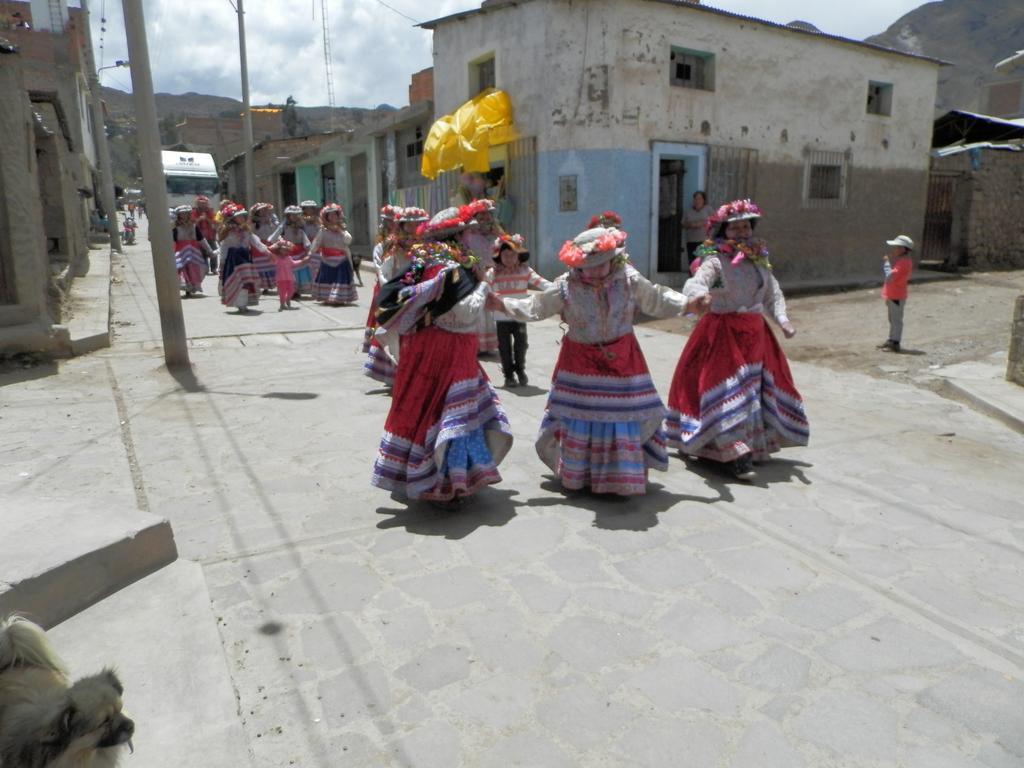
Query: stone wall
988, 217
1015, 368
30, 300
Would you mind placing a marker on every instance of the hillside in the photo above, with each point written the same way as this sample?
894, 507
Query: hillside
971, 34
120, 106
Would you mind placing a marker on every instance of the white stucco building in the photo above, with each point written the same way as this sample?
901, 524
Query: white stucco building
633, 105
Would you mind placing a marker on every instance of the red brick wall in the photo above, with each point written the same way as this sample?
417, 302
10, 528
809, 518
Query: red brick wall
422, 86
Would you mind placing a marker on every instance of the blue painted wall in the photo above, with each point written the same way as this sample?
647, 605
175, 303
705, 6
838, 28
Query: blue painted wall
614, 179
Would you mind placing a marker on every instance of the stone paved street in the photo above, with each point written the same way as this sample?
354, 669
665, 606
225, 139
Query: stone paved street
860, 605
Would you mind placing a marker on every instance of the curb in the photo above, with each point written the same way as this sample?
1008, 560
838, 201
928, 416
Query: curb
48, 581
89, 326
959, 391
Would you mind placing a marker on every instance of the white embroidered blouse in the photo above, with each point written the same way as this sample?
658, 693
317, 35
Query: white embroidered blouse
599, 313
744, 287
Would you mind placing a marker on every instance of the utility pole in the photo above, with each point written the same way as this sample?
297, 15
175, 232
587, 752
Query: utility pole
99, 131
250, 171
172, 322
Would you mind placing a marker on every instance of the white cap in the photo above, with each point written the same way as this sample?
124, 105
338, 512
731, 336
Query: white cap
902, 240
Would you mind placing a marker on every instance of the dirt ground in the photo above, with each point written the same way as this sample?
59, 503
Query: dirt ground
952, 320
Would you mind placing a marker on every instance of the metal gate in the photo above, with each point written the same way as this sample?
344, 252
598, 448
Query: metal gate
732, 174
521, 188
938, 218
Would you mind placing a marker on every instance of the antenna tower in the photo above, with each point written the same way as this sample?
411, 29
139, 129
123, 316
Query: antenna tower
327, 59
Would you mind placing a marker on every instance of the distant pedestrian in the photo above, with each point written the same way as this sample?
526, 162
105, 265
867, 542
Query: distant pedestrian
897, 264
292, 230
694, 221
264, 223
288, 257
239, 279
512, 277
332, 279
142, 209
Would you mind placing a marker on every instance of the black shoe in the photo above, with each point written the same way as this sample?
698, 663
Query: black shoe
523, 378
890, 346
510, 382
743, 468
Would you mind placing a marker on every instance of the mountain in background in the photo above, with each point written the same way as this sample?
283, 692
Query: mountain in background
120, 106
172, 109
970, 34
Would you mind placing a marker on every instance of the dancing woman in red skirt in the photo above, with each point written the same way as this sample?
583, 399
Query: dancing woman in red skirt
446, 431
733, 399
602, 427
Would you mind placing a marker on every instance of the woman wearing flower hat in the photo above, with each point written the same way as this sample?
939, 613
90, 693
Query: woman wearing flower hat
381, 363
264, 223
446, 431
332, 283
190, 251
478, 239
602, 426
377, 366
292, 231
239, 280
732, 398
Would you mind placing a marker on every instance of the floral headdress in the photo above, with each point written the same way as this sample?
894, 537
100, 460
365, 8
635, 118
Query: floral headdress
329, 209
515, 242
475, 208
606, 219
447, 223
390, 213
593, 247
413, 214
737, 210
424, 255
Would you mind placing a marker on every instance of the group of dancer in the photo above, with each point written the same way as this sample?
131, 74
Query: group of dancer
443, 283
306, 254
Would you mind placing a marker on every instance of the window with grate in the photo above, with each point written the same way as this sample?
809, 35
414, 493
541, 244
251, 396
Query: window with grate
692, 69
732, 174
413, 158
879, 98
825, 179
481, 75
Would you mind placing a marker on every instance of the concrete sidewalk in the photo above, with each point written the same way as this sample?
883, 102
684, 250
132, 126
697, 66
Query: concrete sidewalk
862, 604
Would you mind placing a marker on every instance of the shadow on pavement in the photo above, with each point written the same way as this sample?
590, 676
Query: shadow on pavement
18, 369
523, 391
489, 508
625, 513
187, 379
720, 477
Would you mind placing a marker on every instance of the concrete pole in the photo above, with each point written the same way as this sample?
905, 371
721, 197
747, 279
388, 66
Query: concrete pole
99, 130
250, 170
172, 322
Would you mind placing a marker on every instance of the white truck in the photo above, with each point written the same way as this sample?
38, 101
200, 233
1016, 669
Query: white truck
188, 175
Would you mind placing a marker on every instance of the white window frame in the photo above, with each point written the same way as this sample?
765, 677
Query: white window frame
818, 158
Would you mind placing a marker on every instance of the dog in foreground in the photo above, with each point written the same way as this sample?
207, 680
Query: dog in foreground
45, 720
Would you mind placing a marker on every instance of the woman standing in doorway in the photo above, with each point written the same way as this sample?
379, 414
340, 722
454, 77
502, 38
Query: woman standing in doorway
695, 222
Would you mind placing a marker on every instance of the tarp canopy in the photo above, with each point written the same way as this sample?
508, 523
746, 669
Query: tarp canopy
960, 126
463, 138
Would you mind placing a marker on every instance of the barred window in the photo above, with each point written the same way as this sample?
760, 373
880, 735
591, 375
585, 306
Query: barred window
825, 179
482, 75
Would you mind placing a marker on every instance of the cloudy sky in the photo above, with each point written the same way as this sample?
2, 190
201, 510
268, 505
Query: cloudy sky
193, 45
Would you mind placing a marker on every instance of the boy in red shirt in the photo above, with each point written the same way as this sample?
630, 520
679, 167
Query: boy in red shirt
897, 265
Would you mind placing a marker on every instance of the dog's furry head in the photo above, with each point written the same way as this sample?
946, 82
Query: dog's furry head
44, 721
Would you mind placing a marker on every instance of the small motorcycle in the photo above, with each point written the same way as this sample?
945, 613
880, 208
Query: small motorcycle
128, 231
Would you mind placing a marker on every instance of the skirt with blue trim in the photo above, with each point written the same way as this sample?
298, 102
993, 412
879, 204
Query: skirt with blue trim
732, 393
447, 431
602, 426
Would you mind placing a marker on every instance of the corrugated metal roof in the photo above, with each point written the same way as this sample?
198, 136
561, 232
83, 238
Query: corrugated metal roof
957, 149
490, 5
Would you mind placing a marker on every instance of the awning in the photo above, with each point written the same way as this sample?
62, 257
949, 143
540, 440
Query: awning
463, 138
960, 126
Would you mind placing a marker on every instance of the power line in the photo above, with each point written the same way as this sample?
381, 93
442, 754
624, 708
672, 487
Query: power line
404, 15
